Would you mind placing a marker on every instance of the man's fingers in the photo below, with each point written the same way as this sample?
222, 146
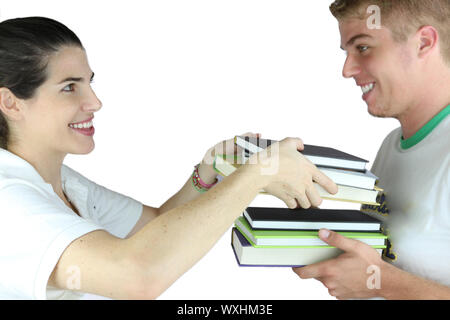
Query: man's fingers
312, 271
339, 241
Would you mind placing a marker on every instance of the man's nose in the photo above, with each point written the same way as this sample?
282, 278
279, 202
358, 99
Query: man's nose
351, 67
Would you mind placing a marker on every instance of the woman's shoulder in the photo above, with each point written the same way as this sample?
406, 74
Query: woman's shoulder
68, 173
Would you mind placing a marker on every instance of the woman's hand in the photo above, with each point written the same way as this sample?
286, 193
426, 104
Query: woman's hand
226, 147
289, 175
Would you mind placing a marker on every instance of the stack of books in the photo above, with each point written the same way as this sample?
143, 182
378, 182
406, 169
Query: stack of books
355, 182
282, 237
286, 237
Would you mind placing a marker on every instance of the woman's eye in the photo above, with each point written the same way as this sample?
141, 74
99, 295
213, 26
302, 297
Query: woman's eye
68, 88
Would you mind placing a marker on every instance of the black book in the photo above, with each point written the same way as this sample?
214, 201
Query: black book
310, 219
320, 156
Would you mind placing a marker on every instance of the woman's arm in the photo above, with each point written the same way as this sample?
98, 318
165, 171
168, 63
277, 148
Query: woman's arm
188, 192
173, 242
146, 264
206, 173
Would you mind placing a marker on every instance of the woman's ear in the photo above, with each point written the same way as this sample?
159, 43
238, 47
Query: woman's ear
428, 38
10, 105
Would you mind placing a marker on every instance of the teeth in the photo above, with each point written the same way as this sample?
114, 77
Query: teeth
84, 125
367, 88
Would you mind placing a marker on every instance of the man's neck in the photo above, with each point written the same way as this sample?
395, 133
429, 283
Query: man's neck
417, 117
434, 99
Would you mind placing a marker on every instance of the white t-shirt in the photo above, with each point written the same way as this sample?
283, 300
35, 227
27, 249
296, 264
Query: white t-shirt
415, 204
37, 226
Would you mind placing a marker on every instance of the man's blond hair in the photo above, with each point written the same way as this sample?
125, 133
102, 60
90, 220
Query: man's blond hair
403, 17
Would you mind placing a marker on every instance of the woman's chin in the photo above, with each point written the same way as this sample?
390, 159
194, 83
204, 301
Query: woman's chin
83, 150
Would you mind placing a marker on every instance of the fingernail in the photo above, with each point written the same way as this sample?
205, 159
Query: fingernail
324, 233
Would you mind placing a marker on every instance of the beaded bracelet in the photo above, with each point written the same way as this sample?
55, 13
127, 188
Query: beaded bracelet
198, 183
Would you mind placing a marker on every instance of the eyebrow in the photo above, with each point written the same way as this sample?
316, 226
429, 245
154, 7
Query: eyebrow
354, 38
73, 79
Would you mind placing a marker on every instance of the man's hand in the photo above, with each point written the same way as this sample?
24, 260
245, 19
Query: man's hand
356, 273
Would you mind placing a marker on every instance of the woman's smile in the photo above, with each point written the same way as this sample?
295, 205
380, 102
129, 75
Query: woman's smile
85, 127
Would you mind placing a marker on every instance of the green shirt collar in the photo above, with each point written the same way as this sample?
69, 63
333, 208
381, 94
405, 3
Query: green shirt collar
425, 130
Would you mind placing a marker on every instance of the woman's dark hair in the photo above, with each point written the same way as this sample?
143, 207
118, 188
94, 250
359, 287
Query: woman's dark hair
26, 45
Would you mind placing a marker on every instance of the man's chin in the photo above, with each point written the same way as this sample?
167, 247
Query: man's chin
376, 111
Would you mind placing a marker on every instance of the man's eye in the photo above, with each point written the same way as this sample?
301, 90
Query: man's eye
68, 88
362, 48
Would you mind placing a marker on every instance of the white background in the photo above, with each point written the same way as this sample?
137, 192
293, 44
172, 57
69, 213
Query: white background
176, 77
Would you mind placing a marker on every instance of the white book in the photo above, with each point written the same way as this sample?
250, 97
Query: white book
300, 238
249, 256
320, 156
364, 180
350, 194
345, 193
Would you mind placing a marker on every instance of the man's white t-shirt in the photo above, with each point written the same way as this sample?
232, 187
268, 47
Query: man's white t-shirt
415, 203
37, 226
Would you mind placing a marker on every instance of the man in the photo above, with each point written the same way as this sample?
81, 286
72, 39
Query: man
398, 52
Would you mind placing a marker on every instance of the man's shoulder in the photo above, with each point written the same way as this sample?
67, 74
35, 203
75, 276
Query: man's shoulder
393, 136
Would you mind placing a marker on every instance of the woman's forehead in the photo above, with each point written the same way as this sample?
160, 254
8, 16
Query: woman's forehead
68, 62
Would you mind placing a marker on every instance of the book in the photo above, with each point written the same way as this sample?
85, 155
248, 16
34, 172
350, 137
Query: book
319, 155
299, 238
351, 178
252, 144
345, 193
310, 219
351, 194
248, 255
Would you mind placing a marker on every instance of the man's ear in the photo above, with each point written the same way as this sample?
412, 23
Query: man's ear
428, 39
10, 105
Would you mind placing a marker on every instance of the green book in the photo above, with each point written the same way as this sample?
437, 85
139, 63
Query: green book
261, 256
301, 238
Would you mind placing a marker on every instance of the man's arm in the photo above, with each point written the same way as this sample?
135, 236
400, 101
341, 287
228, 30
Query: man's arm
397, 284
355, 273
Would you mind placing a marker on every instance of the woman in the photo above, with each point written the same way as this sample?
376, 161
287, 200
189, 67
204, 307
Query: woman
62, 234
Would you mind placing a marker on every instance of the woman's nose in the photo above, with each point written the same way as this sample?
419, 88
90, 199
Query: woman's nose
92, 103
